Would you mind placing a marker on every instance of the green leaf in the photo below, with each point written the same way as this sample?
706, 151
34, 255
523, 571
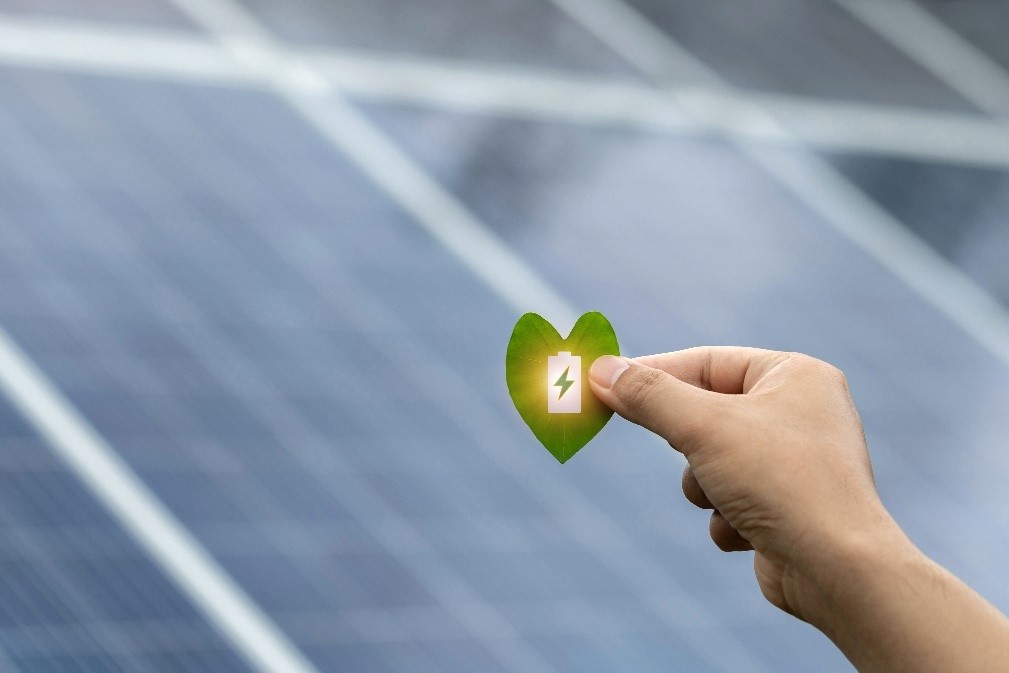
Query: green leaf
550, 389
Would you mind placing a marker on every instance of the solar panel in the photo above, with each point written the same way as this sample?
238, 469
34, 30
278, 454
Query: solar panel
76, 592
312, 383
116, 12
518, 34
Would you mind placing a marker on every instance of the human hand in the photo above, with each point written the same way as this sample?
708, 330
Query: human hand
774, 445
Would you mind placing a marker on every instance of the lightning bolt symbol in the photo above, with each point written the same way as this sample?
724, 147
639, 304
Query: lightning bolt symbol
564, 382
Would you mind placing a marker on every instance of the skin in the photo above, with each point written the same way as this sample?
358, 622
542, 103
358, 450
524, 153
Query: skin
775, 448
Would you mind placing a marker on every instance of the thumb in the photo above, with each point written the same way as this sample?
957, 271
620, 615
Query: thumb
675, 410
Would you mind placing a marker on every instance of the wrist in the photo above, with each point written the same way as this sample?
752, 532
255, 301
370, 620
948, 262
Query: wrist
836, 580
889, 608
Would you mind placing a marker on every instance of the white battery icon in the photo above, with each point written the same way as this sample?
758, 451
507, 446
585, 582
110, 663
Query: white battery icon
564, 384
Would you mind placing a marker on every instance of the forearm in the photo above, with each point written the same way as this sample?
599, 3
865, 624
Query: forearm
891, 609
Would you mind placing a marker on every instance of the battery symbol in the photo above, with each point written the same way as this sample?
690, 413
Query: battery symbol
564, 384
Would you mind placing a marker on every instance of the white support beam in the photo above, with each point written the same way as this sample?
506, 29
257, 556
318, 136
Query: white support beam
925, 135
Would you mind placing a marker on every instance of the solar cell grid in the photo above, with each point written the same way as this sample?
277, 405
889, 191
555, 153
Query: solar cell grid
311, 383
76, 593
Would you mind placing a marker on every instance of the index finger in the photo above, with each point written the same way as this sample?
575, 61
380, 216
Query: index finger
723, 369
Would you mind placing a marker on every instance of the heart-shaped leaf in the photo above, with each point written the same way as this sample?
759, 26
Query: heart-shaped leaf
548, 379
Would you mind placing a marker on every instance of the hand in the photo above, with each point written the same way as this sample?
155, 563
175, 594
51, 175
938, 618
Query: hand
774, 446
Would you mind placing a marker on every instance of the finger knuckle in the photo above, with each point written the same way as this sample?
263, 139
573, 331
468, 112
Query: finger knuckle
828, 369
840, 377
721, 540
825, 370
692, 490
835, 376
720, 532
687, 480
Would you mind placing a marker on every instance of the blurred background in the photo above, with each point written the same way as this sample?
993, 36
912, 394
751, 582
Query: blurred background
259, 262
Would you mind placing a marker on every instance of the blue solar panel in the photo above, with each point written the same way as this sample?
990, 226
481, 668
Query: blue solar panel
154, 13
76, 592
793, 47
958, 210
313, 385
515, 33
978, 22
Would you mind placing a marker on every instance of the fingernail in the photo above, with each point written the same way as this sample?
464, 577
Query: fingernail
606, 370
